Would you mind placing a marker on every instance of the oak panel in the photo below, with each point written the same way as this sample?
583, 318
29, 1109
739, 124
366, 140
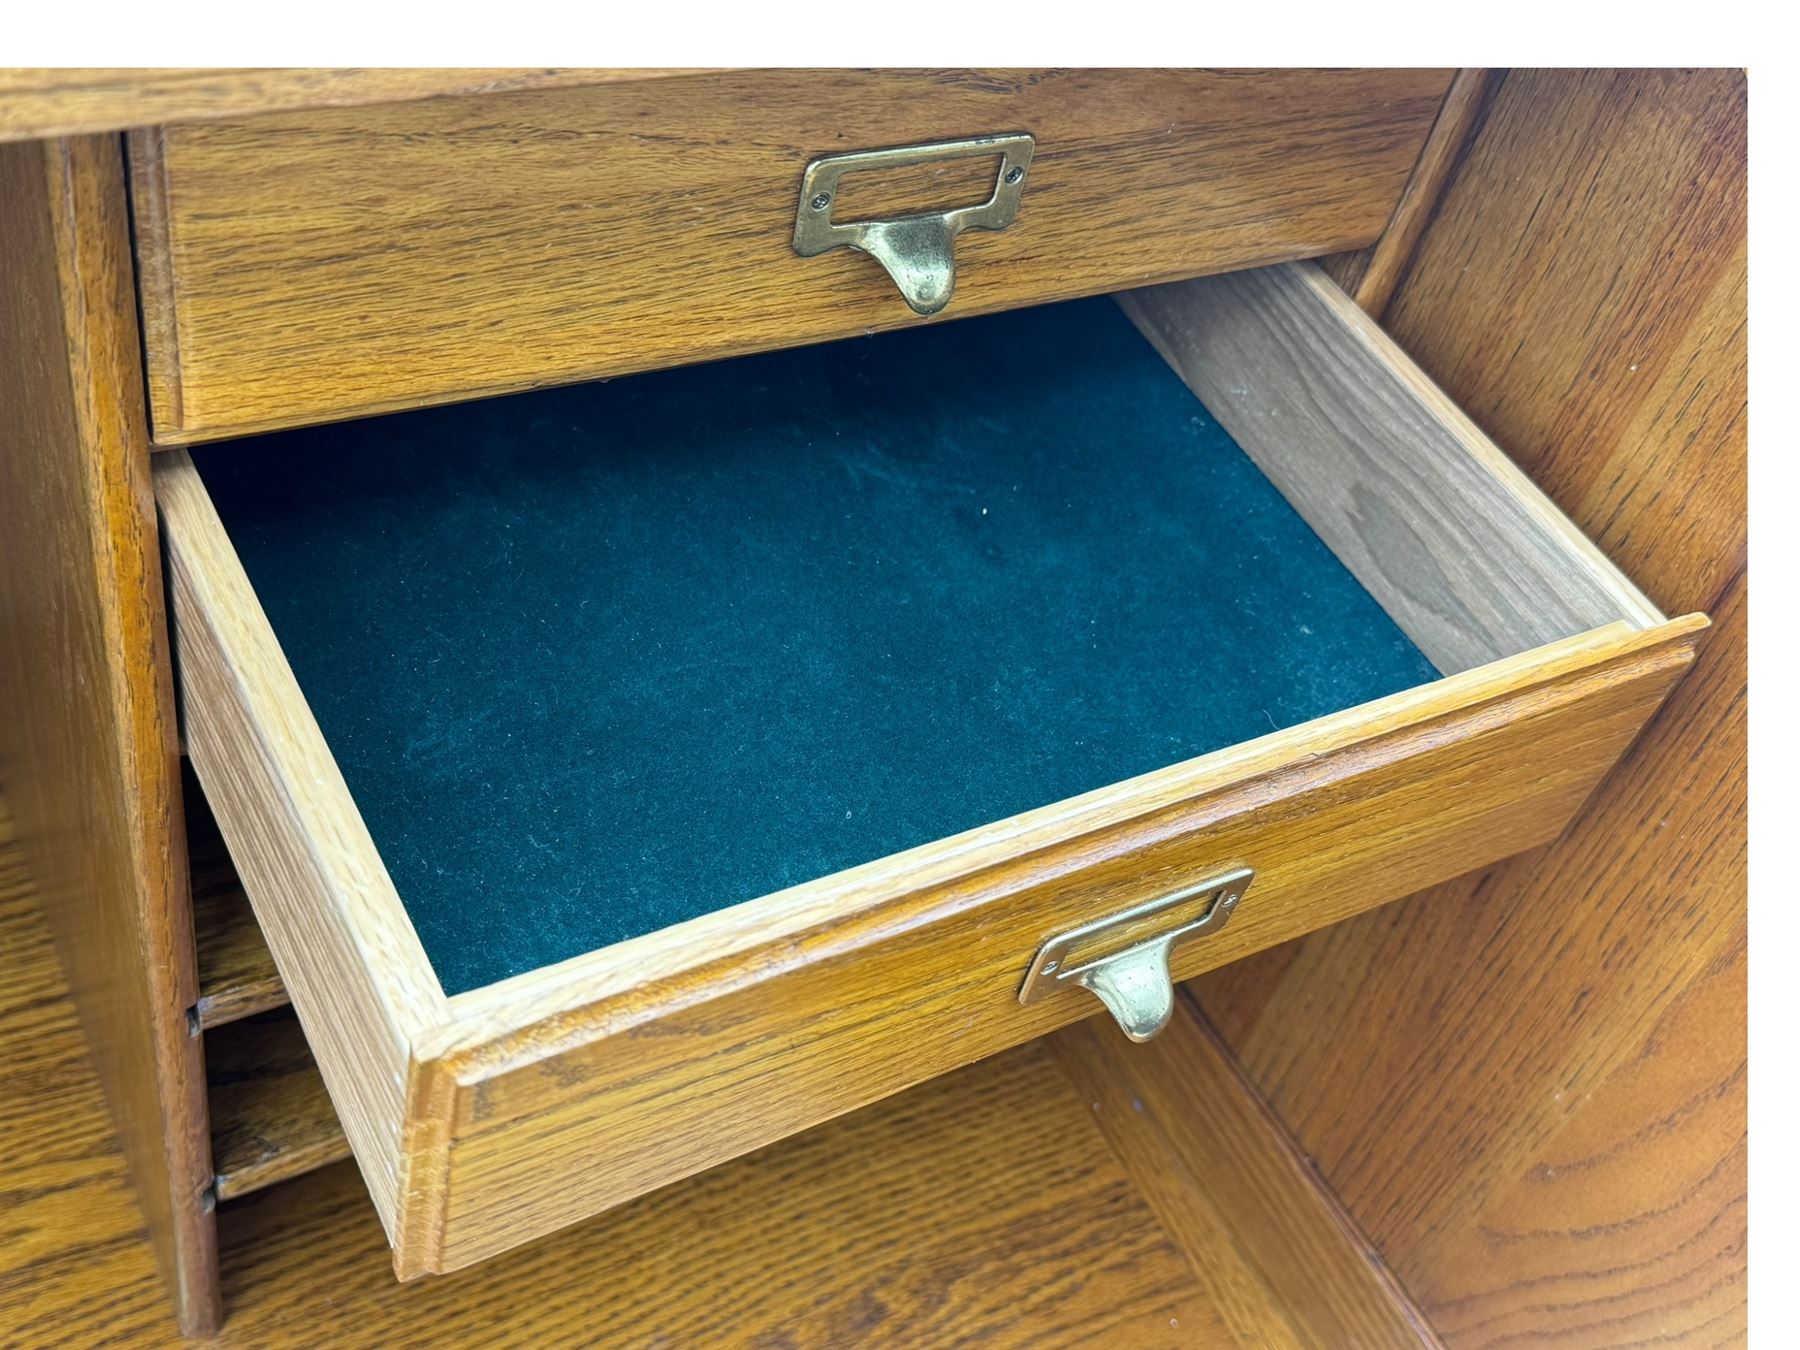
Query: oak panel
88, 747
1582, 293
320, 891
77, 1268
40, 102
1465, 554
1280, 1258
305, 266
1631, 1222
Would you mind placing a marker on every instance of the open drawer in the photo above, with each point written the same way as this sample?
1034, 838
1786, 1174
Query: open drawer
628, 776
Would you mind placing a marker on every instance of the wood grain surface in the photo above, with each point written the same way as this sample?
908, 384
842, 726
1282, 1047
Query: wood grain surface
237, 976
299, 267
678, 1072
272, 1119
319, 889
1281, 1260
40, 102
1461, 549
986, 1208
1528, 1085
1370, 275
88, 746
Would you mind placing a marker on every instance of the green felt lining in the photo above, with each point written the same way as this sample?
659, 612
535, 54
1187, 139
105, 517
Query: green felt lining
599, 659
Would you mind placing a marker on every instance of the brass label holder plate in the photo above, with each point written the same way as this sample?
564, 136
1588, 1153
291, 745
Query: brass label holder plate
917, 250
1113, 959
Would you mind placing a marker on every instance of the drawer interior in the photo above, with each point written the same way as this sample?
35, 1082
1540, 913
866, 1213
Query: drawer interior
649, 771
598, 660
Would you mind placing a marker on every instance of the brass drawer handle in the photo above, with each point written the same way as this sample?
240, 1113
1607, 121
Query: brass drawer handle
916, 250
1133, 981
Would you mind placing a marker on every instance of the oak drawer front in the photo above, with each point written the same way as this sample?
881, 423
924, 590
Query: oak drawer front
302, 267
492, 1113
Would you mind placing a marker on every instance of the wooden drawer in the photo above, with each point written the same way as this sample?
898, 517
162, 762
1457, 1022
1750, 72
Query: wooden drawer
1084, 582
305, 266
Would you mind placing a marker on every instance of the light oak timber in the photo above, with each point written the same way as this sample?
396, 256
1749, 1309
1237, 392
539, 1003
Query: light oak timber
1283, 1262
88, 749
41, 102
1598, 221
1370, 275
1462, 550
1581, 1237
272, 1119
78, 1266
305, 266
236, 975
320, 891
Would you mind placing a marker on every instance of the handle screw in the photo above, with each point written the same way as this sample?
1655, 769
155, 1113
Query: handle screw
1013, 175
820, 202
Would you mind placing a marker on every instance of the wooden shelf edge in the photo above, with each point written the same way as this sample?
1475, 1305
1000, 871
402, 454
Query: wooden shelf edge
1265, 1237
237, 976
271, 1117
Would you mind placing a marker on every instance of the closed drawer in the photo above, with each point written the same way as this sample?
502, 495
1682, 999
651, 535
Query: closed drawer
628, 776
300, 267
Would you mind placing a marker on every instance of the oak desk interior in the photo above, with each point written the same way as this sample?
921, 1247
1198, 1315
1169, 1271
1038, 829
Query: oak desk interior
626, 777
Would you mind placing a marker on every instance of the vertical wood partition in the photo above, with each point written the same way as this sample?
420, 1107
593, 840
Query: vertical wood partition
1541, 1125
89, 757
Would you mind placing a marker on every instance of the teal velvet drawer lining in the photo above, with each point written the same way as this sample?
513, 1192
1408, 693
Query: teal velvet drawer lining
599, 659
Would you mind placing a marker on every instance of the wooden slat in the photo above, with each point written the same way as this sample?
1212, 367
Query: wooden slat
1283, 1262
1371, 274
66, 101
88, 747
1545, 1139
272, 1119
306, 266
1462, 550
237, 976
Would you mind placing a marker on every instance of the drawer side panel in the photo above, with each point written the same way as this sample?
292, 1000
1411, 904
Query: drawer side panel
347, 955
